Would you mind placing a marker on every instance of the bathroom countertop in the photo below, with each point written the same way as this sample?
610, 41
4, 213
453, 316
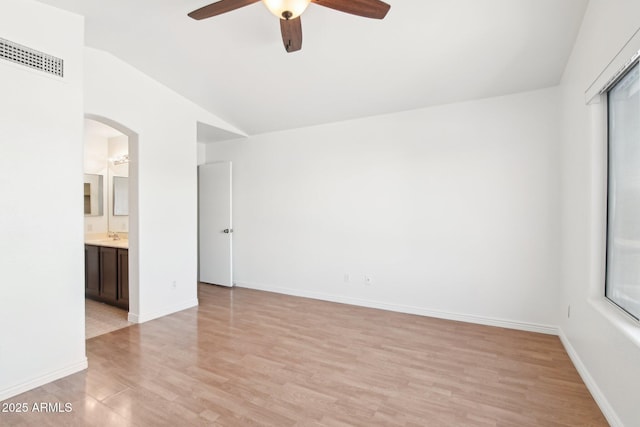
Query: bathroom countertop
121, 244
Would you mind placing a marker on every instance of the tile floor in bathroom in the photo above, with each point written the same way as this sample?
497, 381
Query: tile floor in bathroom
102, 318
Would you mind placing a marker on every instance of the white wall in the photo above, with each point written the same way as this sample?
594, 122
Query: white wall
202, 153
604, 343
451, 210
98, 149
163, 173
41, 211
117, 146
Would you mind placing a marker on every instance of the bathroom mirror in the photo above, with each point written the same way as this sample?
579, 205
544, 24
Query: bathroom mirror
93, 188
120, 195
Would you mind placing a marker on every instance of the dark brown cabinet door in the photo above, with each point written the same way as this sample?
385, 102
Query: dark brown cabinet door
92, 271
106, 275
109, 274
123, 278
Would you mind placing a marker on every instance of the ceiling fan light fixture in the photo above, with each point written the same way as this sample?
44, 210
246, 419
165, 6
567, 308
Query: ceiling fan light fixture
286, 9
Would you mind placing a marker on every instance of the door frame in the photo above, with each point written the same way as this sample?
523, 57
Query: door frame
134, 238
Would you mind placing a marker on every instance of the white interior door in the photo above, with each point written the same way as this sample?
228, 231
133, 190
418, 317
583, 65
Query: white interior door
215, 227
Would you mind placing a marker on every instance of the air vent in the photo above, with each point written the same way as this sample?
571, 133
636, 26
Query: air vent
32, 58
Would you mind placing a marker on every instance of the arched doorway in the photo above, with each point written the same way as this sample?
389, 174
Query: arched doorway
118, 163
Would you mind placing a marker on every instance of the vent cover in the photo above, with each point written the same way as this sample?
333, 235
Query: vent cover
32, 58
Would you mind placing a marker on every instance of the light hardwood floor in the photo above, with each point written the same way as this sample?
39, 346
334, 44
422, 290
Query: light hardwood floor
250, 358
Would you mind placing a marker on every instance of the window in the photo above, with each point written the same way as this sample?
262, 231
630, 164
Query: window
622, 284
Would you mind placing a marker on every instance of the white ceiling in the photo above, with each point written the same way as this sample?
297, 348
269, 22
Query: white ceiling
425, 52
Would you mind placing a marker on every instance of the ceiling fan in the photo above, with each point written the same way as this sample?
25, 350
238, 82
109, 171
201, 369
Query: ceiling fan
289, 12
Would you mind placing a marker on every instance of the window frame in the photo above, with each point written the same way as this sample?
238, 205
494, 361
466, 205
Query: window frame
631, 65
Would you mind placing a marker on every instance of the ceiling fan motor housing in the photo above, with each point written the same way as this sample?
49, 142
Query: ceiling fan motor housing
287, 9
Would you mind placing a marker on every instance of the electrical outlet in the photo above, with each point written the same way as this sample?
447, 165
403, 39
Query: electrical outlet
368, 281
347, 277
90, 227
174, 284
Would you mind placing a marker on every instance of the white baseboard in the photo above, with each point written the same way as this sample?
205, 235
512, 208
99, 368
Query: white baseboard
599, 397
489, 321
43, 379
145, 317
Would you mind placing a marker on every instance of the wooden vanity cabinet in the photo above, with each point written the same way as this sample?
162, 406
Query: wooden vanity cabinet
107, 275
123, 279
92, 271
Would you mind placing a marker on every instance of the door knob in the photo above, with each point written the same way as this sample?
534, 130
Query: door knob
227, 230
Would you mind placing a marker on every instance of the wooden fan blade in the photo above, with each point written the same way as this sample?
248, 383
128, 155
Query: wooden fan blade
375, 9
219, 8
291, 34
